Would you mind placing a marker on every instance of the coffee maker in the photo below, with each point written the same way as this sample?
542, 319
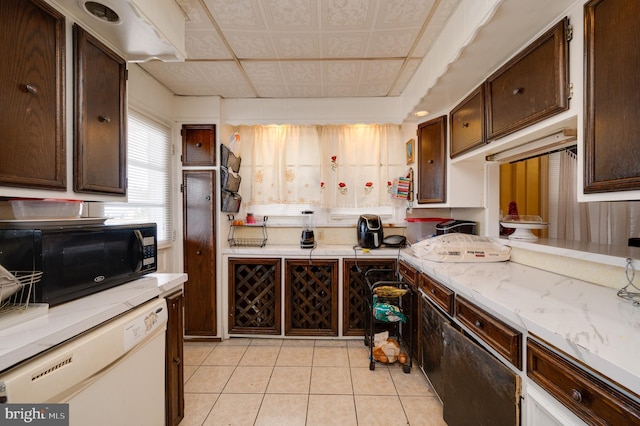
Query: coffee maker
307, 239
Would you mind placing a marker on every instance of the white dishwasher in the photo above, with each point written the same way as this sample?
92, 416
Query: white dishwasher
113, 374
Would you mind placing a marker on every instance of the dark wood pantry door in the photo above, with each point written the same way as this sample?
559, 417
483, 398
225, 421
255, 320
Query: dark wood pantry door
199, 252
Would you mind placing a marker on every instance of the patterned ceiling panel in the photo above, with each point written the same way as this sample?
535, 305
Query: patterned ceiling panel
302, 48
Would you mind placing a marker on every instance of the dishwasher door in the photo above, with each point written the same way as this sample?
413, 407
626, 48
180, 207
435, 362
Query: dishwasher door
113, 374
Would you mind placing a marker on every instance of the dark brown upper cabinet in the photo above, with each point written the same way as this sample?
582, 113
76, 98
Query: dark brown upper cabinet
612, 96
198, 144
32, 77
530, 87
100, 147
467, 123
432, 166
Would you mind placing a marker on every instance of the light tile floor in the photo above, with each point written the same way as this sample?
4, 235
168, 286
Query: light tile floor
301, 382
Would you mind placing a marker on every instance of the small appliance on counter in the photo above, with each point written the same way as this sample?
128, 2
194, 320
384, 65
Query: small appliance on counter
453, 225
307, 239
370, 233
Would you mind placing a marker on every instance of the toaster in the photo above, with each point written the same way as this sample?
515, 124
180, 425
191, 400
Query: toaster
370, 233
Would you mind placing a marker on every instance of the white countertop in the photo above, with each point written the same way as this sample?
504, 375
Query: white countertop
65, 321
586, 321
321, 251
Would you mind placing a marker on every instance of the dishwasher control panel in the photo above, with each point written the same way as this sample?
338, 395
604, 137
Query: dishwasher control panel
144, 325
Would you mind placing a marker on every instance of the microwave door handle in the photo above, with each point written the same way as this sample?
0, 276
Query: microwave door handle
140, 240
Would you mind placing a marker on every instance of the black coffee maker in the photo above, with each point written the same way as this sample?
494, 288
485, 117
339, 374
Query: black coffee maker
370, 233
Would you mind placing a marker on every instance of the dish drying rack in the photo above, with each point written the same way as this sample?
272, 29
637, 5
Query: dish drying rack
257, 241
17, 293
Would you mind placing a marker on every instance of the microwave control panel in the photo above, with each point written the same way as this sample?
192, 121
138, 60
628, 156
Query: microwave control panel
149, 252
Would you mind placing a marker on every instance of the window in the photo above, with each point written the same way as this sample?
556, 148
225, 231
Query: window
338, 171
148, 177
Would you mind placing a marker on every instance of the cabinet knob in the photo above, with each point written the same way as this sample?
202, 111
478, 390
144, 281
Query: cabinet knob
176, 360
465, 125
208, 198
198, 145
479, 324
198, 252
433, 291
576, 395
104, 119
430, 161
518, 90
30, 88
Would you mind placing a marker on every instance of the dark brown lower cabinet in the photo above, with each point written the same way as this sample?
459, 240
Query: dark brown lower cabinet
354, 292
174, 367
588, 396
311, 297
432, 345
478, 389
199, 252
254, 296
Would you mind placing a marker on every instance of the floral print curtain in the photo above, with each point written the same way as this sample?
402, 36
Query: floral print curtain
359, 164
330, 166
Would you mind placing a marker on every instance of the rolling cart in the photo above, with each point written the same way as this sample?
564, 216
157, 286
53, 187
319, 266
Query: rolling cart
386, 298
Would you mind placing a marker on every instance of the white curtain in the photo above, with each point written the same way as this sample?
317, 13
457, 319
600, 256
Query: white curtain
359, 164
331, 166
284, 163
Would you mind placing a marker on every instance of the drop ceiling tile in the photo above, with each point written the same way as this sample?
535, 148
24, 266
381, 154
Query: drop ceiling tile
436, 24
237, 14
391, 44
205, 44
351, 15
271, 90
291, 15
296, 45
339, 90
251, 44
197, 18
302, 72
263, 72
403, 13
406, 73
222, 73
305, 91
344, 45
236, 91
381, 70
342, 72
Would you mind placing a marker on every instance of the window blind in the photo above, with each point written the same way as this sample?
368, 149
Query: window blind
148, 177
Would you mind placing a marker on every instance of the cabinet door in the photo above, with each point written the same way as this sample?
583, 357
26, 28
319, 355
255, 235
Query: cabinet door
311, 297
530, 87
174, 392
432, 345
198, 144
467, 124
612, 84
432, 164
199, 252
478, 389
100, 149
32, 123
254, 296
354, 292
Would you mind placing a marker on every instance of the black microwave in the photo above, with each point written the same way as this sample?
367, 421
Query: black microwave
77, 261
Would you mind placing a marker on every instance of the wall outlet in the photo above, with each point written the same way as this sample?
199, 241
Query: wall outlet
320, 234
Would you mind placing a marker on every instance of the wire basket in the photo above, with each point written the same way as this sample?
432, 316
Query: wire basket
17, 288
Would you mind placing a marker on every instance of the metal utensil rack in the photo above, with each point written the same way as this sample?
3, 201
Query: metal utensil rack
258, 241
